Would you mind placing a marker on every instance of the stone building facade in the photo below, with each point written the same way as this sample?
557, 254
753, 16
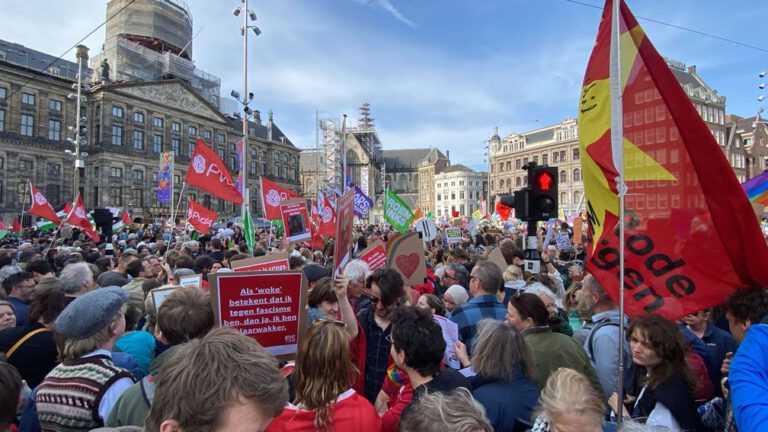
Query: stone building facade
459, 189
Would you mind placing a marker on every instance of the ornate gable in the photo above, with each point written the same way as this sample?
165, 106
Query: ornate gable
175, 95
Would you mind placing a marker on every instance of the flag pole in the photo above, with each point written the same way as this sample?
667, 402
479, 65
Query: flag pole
344, 153
617, 144
27, 187
175, 210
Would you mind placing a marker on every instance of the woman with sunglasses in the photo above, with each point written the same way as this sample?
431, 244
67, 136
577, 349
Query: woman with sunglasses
324, 373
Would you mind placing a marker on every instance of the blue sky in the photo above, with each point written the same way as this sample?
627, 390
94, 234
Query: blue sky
437, 73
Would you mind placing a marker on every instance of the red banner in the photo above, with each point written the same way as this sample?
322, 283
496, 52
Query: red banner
276, 262
200, 217
207, 172
272, 194
691, 237
345, 213
41, 207
268, 307
326, 222
375, 256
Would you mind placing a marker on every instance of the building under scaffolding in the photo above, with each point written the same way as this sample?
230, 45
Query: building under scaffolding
151, 40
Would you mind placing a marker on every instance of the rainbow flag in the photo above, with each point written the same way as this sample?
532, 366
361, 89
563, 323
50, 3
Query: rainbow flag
757, 188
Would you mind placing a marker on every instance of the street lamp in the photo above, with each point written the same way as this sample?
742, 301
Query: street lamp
247, 97
80, 129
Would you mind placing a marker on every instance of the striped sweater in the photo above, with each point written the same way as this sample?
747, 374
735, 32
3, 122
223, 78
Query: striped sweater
69, 397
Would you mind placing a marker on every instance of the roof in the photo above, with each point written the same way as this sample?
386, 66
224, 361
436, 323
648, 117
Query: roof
406, 159
38, 61
261, 131
456, 168
310, 161
547, 134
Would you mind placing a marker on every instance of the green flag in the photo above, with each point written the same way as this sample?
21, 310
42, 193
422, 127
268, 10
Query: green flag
396, 212
277, 225
430, 215
248, 231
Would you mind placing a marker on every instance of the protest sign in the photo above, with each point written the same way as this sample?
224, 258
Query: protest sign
345, 212
577, 230
267, 306
427, 229
453, 234
396, 212
497, 258
160, 294
191, 281
406, 256
375, 256
274, 262
295, 219
451, 335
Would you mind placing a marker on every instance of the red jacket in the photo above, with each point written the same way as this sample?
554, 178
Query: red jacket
350, 412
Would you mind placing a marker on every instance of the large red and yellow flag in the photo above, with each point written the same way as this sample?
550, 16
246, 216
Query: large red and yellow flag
691, 236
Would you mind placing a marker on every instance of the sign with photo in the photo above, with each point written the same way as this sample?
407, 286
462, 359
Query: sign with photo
295, 218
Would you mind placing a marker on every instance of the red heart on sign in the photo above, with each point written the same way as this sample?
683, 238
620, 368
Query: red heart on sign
407, 264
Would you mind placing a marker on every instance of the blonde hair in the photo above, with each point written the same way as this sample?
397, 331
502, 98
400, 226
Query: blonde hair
568, 391
512, 273
456, 411
75, 348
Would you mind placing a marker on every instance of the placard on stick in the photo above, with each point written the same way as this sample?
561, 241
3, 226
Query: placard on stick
267, 306
375, 255
160, 294
345, 212
497, 258
406, 256
191, 281
274, 262
295, 219
453, 234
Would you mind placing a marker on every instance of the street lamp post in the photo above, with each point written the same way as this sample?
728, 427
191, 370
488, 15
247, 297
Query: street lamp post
247, 97
80, 122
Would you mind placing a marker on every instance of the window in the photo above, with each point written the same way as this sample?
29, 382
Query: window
233, 164
138, 140
54, 105
138, 175
518, 181
254, 166
26, 166
54, 130
28, 99
562, 156
576, 175
525, 161
157, 122
116, 192
563, 176
115, 172
536, 160
263, 160
563, 198
220, 137
545, 159
53, 194
176, 127
2, 120
207, 134
117, 135
117, 112
175, 146
27, 125
192, 130
3, 93
190, 148
461, 194
555, 157
138, 117
220, 151
453, 195
438, 197
137, 197
54, 169
157, 143
276, 159
576, 154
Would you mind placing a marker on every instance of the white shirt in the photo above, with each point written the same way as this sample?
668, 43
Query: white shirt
114, 391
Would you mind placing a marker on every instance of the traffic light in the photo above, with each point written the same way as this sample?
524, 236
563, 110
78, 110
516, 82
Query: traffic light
543, 184
520, 201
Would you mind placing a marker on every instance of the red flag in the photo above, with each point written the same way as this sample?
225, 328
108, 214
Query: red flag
272, 194
326, 222
41, 207
15, 226
126, 219
207, 172
691, 237
200, 217
455, 213
503, 210
79, 215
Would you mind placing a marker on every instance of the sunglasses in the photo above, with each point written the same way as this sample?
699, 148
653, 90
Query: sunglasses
337, 323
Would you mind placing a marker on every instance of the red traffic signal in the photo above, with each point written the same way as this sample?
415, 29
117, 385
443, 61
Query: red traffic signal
544, 181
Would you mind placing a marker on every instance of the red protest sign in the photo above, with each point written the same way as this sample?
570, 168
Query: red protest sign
295, 220
375, 256
276, 262
345, 207
267, 306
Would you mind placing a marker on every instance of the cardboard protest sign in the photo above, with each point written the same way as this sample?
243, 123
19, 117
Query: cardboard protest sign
191, 281
375, 255
275, 262
345, 208
406, 256
453, 234
267, 306
497, 258
427, 229
295, 219
577, 228
160, 294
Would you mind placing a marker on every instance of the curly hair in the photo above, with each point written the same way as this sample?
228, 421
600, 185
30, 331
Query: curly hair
666, 341
749, 305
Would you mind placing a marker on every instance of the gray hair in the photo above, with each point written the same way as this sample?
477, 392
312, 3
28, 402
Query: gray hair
356, 271
456, 411
540, 289
460, 274
489, 275
75, 276
499, 349
9, 270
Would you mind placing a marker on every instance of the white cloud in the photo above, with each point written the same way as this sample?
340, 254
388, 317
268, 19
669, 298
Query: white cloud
387, 6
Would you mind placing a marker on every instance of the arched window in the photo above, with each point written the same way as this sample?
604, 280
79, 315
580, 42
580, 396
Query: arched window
576, 197
518, 182
501, 183
509, 184
563, 176
576, 175
563, 197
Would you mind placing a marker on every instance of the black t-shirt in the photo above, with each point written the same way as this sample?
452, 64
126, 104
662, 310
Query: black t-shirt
35, 357
445, 381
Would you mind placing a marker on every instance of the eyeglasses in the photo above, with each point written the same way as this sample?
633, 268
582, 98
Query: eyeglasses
330, 321
550, 305
447, 276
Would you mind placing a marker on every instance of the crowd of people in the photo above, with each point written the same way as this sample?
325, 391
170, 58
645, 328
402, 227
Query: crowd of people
83, 346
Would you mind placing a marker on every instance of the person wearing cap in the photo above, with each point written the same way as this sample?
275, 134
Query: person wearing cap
314, 273
79, 393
